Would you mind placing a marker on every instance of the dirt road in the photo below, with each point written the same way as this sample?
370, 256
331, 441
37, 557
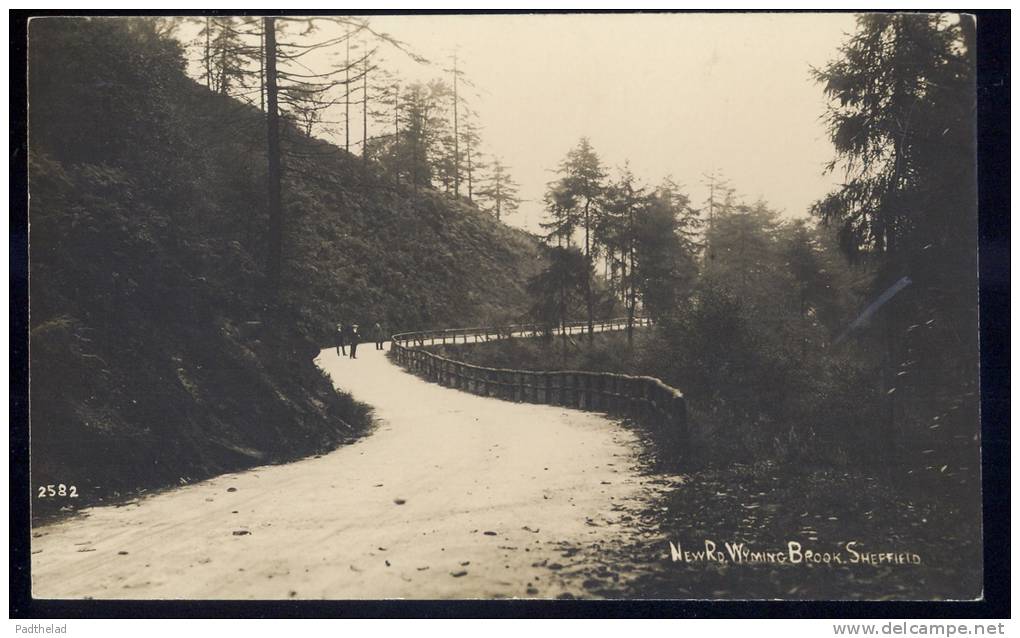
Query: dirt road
453, 496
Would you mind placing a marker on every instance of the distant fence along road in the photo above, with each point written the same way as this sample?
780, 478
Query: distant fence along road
645, 399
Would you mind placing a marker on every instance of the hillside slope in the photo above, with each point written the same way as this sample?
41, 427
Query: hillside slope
157, 354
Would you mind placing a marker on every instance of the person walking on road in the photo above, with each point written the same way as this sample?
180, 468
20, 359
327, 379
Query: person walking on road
341, 334
379, 336
352, 340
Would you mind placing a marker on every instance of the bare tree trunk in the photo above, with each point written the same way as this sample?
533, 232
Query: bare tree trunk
619, 276
469, 178
587, 275
208, 53
396, 132
364, 113
223, 64
633, 290
414, 168
711, 221
262, 69
563, 316
275, 260
456, 135
498, 196
347, 95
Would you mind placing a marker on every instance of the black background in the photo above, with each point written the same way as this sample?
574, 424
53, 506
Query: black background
993, 38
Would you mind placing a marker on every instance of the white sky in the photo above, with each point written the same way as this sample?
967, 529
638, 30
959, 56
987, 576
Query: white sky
679, 94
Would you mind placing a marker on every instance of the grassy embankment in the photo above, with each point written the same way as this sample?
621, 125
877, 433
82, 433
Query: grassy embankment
158, 354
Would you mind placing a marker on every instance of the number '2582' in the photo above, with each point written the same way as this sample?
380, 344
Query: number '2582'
51, 491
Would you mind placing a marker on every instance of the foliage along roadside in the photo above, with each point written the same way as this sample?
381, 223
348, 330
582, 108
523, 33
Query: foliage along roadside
157, 356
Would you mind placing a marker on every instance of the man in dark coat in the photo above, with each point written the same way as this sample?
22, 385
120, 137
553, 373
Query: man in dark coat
352, 340
341, 334
380, 336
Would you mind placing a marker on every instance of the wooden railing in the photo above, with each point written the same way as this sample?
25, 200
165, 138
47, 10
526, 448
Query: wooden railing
644, 399
453, 336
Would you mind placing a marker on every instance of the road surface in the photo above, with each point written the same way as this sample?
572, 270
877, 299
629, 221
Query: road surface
452, 496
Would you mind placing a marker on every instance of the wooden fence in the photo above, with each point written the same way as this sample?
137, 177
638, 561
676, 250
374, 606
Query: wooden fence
645, 399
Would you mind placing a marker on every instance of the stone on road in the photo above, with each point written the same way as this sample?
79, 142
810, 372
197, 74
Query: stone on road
452, 496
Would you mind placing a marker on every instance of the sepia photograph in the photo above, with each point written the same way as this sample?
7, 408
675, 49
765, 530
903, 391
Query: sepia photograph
479, 306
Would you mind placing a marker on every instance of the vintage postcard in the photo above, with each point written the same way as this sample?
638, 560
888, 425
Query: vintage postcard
525, 306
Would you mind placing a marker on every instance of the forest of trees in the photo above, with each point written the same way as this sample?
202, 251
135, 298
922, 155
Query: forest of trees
792, 338
211, 196
327, 76
160, 354
855, 329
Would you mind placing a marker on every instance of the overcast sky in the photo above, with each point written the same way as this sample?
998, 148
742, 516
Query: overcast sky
675, 94
679, 94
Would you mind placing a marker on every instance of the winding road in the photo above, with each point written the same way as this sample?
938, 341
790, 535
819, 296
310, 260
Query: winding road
452, 496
